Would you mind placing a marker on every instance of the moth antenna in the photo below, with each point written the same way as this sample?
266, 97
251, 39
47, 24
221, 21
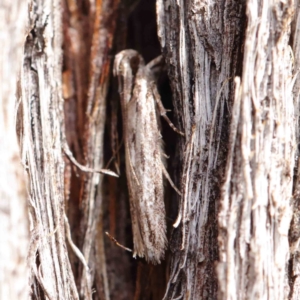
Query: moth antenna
155, 62
165, 155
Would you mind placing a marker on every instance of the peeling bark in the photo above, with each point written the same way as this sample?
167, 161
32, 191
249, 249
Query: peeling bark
201, 60
233, 70
14, 230
256, 196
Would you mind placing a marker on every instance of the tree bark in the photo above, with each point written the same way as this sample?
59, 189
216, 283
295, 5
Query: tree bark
14, 229
202, 44
238, 166
232, 80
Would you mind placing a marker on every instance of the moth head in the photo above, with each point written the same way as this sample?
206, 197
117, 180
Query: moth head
126, 67
127, 61
135, 62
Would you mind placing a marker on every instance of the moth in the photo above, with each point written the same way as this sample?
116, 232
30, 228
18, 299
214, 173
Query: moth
144, 157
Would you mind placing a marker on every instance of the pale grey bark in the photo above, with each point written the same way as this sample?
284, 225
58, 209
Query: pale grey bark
42, 137
202, 60
43, 141
234, 100
233, 69
294, 234
14, 230
256, 197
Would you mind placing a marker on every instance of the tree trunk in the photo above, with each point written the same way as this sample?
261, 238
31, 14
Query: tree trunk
14, 229
236, 105
233, 87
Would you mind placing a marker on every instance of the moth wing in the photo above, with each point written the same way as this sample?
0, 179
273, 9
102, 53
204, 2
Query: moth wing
146, 159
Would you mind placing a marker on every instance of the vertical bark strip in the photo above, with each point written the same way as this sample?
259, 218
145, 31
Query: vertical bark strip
256, 197
235, 84
91, 200
201, 59
14, 230
41, 138
89, 28
294, 233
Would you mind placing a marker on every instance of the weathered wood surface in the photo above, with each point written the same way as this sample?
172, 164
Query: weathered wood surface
14, 229
42, 137
202, 60
294, 233
234, 101
256, 196
55, 227
233, 70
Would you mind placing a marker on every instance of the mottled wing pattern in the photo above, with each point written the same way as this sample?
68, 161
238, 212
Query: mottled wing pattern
143, 156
